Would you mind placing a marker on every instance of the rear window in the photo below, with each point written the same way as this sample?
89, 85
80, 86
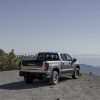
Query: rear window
48, 57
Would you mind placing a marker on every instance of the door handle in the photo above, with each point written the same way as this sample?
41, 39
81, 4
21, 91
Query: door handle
63, 63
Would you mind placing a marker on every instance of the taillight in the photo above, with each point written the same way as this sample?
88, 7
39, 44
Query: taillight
46, 66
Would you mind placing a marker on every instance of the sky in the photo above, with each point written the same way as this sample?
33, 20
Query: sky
71, 26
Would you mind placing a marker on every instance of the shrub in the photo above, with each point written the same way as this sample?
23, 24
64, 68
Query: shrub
8, 61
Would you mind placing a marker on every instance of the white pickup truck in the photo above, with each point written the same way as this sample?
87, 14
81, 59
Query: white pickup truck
51, 65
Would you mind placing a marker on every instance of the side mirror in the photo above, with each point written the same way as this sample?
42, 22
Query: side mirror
74, 60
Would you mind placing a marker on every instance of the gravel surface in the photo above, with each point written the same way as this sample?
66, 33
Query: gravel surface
12, 87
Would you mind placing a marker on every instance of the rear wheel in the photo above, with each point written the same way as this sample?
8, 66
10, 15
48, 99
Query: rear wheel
76, 73
54, 78
28, 79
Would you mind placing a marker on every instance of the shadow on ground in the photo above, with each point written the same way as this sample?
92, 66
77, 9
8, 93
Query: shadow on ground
20, 85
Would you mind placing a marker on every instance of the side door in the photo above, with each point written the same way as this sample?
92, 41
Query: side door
70, 68
65, 64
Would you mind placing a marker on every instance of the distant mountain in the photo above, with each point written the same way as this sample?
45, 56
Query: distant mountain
89, 68
93, 60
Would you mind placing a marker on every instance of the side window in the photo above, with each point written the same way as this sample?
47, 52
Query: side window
63, 57
69, 58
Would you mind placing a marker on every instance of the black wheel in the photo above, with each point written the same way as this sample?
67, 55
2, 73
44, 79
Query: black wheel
28, 79
76, 73
54, 78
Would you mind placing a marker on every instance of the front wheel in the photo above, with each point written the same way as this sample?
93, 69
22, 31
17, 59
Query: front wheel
54, 78
76, 73
28, 79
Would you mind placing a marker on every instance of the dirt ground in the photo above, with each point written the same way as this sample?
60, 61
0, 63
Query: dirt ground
12, 87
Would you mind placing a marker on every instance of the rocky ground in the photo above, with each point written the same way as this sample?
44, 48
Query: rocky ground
12, 87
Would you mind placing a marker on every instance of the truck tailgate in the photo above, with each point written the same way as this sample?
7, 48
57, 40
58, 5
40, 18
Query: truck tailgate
32, 64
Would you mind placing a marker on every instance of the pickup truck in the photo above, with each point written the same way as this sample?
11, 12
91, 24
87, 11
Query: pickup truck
51, 65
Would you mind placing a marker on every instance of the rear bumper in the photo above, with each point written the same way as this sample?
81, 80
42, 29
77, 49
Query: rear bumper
34, 74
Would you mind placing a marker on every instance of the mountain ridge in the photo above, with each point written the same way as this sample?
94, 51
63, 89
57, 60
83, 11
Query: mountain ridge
90, 69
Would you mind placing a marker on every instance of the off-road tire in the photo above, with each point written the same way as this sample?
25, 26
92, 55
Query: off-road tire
28, 79
76, 73
54, 78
